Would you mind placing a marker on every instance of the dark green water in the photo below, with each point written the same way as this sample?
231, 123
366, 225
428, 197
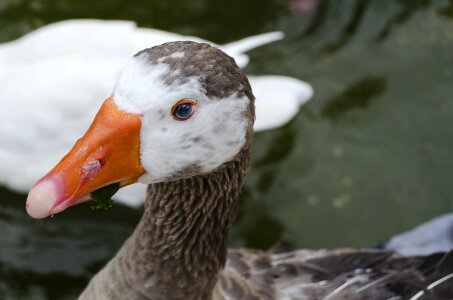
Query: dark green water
371, 155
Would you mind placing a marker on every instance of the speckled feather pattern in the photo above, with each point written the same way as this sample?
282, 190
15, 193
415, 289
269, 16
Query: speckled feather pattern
342, 274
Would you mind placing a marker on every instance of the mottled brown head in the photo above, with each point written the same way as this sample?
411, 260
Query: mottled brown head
221, 108
218, 72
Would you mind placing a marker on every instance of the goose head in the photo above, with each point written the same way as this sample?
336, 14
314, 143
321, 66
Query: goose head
177, 110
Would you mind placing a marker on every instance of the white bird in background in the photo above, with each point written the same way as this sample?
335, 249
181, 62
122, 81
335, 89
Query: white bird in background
63, 68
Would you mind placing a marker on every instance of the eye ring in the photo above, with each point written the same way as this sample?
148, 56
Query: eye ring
183, 109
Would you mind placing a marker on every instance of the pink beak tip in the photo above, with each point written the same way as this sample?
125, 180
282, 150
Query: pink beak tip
41, 199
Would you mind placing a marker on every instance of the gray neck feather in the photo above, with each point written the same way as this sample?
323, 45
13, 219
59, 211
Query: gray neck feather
180, 244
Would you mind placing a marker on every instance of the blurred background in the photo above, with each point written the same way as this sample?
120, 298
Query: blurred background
369, 156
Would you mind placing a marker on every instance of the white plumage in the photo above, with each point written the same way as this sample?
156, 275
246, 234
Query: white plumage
50, 78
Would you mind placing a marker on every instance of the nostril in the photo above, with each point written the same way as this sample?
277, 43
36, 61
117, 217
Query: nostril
92, 168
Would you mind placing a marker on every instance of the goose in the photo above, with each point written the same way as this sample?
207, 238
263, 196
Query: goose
433, 236
180, 119
72, 65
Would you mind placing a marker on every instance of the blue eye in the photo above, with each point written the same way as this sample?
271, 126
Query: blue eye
183, 109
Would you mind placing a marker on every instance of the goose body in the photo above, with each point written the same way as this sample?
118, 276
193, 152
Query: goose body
180, 119
69, 66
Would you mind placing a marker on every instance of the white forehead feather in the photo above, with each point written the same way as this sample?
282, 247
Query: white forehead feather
140, 84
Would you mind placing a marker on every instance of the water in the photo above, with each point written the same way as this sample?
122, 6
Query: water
369, 156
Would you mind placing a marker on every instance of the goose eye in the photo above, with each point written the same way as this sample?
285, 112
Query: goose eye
183, 109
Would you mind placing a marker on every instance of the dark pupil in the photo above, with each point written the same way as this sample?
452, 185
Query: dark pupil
183, 111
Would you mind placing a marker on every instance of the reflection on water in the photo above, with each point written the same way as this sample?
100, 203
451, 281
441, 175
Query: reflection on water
358, 95
368, 157
50, 258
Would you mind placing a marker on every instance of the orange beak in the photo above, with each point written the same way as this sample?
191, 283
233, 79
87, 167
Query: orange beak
109, 152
